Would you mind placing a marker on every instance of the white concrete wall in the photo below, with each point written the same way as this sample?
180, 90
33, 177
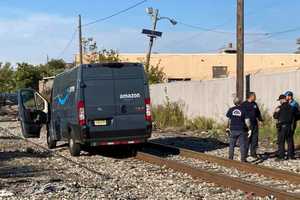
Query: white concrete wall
212, 98
269, 86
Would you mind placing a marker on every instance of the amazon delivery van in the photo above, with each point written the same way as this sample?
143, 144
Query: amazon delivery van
91, 105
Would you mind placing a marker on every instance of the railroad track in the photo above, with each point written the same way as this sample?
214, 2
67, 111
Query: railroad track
208, 176
246, 167
217, 178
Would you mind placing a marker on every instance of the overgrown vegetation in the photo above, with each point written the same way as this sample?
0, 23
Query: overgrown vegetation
171, 115
268, 131
25, 75
154, 73
168, 115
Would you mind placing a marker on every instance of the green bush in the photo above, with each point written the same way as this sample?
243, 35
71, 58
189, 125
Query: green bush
268, 129
200, 123
168, 115
171, 114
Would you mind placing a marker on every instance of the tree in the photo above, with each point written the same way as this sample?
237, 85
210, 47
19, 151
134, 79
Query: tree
53, 67
90, 49
27, 76
106, 56
7, 82
155, 73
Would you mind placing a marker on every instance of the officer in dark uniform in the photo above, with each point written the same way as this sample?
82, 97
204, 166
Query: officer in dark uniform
254, 115
284, 115
237, 127
295, 106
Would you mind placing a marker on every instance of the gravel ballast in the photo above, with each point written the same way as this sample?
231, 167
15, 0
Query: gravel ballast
29, 172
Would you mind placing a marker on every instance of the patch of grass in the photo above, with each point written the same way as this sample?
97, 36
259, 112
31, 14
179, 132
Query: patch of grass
168, 115
297, 135
171, 114
268, 129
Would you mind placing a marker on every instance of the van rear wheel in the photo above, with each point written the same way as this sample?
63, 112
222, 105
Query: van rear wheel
74, 147
50, 142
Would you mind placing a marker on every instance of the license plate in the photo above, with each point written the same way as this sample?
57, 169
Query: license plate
100, 122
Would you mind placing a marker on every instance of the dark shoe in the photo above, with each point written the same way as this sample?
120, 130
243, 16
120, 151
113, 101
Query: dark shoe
279, 159
291, 158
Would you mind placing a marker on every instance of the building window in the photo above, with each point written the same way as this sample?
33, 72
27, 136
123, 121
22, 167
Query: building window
220, 71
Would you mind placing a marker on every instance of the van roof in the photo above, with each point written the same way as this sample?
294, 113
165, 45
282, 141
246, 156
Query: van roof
104, 64
113, 64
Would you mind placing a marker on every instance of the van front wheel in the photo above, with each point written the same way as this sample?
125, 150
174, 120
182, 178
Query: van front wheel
74, 147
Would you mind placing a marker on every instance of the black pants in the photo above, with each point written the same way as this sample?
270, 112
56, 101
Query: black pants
253, 141
294, 127
234, 136
285, 134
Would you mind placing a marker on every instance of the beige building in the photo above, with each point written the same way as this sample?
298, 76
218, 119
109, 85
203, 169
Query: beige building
209, 66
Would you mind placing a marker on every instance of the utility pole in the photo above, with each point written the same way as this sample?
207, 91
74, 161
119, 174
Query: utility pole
80, 40
240, 50
154, 19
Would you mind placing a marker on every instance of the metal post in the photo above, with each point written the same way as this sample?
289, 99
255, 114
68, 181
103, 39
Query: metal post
240, 50
80, 41
155, 19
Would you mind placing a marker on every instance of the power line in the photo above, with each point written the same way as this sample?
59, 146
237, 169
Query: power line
68, 44
285, 31
115, 14
274, 34
214, 30
99, 20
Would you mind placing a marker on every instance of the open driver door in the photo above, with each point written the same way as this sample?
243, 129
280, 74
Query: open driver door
33, 112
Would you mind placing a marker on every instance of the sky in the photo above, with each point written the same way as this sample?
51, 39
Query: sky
32, 29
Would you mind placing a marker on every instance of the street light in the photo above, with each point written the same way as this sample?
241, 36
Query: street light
149, 10
172, 21
154, 13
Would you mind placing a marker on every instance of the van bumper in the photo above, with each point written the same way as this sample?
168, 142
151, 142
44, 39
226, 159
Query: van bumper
99, 138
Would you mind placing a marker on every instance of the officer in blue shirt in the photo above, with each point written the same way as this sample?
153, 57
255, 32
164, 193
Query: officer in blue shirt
295, 107
254, 115
237, 127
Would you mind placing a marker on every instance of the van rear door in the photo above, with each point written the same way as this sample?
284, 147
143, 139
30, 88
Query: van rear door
114, 96
130, 96
99, 96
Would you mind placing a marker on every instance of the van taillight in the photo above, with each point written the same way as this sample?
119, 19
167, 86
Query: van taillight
81, 113
148, 116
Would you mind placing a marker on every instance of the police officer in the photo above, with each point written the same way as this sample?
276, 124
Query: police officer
254, 115
237, 125
295, 106
284, 115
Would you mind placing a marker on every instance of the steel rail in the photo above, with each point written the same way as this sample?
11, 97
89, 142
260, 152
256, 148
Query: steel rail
246, 167
218, 179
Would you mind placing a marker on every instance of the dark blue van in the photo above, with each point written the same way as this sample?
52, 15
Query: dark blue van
91, 105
